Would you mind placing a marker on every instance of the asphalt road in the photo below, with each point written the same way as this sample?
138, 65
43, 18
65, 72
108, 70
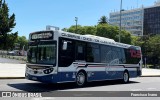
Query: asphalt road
137, 84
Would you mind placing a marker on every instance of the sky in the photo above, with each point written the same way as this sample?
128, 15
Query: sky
34, 15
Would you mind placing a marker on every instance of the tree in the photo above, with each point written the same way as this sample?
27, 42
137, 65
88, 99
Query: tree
136, 40
125, 37
103, 20
90, 30
82, 29
7, 23
103, 30
73, 29
23, 42
112, 32
150, 47
106, 30
153, 48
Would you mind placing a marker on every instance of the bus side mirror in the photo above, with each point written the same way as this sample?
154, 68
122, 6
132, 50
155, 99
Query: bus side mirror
64, 45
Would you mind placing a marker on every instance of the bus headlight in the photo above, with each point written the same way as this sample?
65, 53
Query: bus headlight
47, 71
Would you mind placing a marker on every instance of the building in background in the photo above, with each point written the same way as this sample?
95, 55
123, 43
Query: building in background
139, 21
131, 20
152, 19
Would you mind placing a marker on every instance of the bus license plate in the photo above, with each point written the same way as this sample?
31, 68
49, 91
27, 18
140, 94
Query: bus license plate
34, 78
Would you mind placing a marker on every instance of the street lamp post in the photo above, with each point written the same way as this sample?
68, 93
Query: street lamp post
76, 19
120, 21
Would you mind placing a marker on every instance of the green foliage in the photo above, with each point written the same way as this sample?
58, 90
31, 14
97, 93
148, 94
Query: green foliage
74, 30
151, 49
22, 41
82, 29
126, 37
90, 30
150, 46
154, 46
108, 31
103, 30
135, 40
7, 23
103, 20
9, 42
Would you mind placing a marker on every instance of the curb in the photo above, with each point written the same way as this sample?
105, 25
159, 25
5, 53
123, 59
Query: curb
150, 76
12, 77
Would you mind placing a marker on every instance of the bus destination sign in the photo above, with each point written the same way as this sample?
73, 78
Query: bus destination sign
42, 35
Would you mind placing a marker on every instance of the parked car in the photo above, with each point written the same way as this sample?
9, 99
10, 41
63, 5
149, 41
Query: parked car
13, 53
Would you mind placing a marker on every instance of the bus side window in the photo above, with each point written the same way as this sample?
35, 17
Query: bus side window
105, 53
80, 51
93, 53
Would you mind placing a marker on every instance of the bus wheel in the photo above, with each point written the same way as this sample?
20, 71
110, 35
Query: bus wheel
125, 77
81, 79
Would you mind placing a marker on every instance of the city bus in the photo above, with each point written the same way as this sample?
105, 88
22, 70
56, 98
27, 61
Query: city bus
55, 56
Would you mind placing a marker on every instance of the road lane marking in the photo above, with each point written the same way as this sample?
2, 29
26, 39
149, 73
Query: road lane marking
151, 89
44, 98
136, 89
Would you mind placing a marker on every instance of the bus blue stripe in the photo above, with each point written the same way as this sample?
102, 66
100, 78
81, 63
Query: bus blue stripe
68, 76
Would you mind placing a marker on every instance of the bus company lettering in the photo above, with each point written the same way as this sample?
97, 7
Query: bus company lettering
86, 38
76, 37
71, 36
135, 53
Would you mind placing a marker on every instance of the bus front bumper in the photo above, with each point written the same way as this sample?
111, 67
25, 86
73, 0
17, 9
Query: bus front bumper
45, 79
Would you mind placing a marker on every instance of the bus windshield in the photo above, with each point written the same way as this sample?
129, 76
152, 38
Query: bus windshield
42, 54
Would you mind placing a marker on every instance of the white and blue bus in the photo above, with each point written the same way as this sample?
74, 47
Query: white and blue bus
56, 56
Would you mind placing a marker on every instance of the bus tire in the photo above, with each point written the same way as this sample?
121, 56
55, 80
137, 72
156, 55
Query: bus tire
81, 79
125, 77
